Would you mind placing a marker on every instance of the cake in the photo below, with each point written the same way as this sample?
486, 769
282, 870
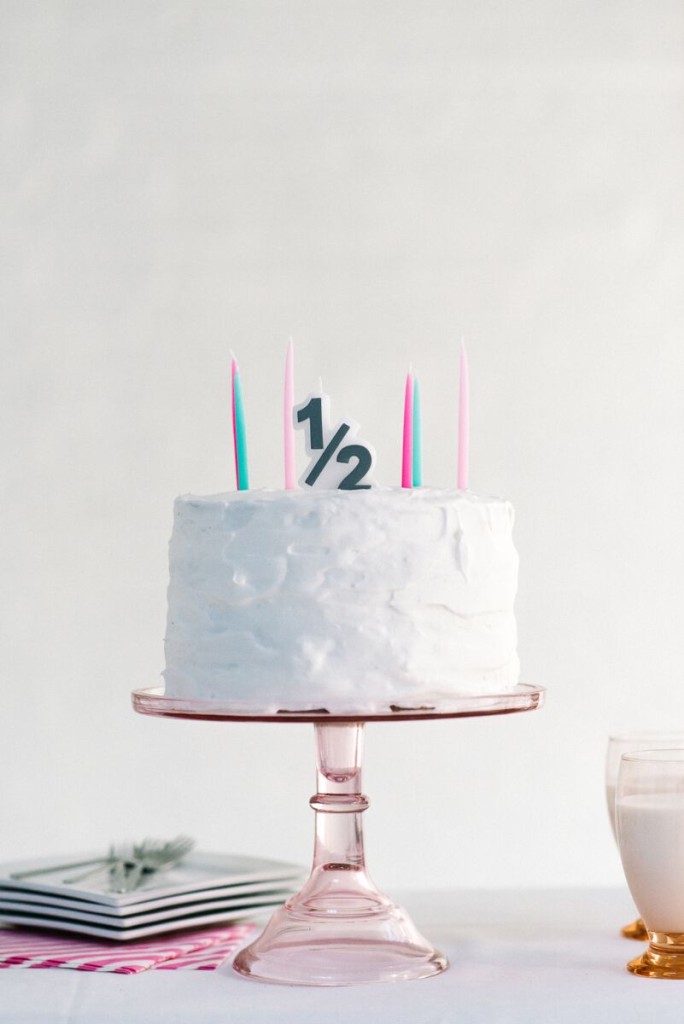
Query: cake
348, 601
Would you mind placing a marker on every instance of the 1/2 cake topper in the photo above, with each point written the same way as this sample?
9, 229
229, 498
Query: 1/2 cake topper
335, 464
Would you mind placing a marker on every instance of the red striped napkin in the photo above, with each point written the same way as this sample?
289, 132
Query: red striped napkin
199, 950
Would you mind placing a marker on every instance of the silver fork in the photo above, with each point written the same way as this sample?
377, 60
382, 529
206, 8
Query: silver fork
126, 867
107, 864
149, 857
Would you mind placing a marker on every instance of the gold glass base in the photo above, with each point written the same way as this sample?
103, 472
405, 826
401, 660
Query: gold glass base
635, 930
664, 957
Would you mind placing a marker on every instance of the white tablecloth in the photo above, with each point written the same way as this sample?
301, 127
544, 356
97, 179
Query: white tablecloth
519, 957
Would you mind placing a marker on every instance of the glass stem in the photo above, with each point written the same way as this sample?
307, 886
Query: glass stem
338, 801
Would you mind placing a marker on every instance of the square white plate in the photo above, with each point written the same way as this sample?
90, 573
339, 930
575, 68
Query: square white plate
185, 922
181, 904
198, 873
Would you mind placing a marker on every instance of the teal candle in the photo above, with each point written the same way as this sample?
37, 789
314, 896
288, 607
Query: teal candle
417, 437
240, 434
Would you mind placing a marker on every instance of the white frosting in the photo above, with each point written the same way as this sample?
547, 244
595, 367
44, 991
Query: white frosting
344, 600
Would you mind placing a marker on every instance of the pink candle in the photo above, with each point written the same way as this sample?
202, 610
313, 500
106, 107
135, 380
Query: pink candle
407, 447
288, 425
233, 371
463, 421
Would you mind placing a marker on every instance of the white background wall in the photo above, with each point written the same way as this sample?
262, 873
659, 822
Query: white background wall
376, 179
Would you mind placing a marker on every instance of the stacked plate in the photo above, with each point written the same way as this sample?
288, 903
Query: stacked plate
204, 889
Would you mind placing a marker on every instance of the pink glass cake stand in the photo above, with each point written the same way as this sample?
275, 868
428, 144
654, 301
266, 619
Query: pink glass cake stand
339, 929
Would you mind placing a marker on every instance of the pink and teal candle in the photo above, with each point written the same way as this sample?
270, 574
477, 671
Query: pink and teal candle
412, 438
417, 466
239, 431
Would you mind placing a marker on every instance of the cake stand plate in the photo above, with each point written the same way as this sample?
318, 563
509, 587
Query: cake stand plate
339, 929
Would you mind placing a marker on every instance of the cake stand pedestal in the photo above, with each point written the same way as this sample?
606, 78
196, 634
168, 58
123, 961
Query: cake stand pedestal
339, 929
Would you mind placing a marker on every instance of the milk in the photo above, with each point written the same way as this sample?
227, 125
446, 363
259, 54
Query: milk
651, 839
610, 801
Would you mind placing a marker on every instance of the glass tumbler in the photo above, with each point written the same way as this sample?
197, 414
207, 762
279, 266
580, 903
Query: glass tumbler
649, 811
625, 743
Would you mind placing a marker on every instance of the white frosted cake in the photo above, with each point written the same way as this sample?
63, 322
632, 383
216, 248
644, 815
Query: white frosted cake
351, 601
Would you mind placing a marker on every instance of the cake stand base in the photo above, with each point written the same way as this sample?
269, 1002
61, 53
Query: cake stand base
339, 930
377, 942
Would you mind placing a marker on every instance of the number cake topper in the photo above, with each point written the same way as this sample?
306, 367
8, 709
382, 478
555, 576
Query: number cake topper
329, 449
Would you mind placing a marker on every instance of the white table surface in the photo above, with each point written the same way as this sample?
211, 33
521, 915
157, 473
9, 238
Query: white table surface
519, 957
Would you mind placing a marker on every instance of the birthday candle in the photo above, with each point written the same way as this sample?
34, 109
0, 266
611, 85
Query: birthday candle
463, 421
288, 425
233, 371
417, 437
240, 434
407, 443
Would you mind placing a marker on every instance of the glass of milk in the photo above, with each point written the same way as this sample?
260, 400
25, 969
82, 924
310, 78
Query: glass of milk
649, 817
625, 743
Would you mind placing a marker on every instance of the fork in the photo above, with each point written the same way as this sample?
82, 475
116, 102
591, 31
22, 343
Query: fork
126, 867
149, 857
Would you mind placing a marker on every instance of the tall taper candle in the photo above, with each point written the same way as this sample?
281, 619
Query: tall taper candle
240, 433
407, 440
463, 421
288, 425
417, 436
